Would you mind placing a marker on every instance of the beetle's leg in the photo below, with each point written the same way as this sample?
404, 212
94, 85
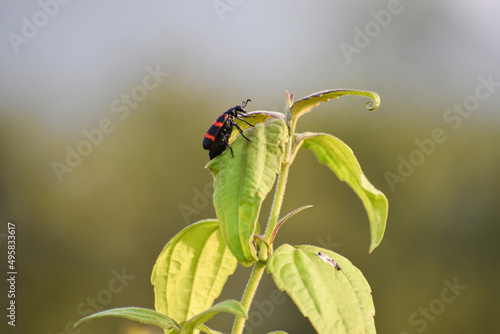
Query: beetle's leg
241, 119
230, 149
241, 131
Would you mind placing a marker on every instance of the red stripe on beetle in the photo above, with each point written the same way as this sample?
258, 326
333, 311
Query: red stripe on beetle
209, 136
218, 124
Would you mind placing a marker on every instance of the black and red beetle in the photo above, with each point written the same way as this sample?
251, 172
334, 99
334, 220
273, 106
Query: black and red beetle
216, 138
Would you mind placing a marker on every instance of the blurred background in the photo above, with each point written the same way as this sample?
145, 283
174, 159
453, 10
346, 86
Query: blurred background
104, 105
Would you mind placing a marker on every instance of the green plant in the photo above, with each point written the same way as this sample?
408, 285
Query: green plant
194, 265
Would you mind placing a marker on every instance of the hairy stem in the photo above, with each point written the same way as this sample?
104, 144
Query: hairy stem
277, 202
246, 300
258, 269
280, 188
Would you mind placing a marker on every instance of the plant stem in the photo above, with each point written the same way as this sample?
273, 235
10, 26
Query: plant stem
246, 300
280, 187
278, 200
258, 269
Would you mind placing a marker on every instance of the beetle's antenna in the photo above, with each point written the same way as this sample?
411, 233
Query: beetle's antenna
244, 103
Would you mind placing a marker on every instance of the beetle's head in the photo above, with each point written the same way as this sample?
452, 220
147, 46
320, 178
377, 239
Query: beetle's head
241, 109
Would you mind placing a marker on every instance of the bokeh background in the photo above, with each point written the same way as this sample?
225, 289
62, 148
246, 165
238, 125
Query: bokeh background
88, 234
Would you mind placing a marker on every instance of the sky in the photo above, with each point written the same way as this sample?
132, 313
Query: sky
82, 55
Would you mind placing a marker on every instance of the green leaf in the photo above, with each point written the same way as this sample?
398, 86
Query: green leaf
255, 117
242, 182
143, 315
304, 105
227, 306
191, 271
335, 301
339, 157
284, 219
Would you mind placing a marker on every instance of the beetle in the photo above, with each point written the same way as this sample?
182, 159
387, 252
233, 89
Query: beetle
217, 137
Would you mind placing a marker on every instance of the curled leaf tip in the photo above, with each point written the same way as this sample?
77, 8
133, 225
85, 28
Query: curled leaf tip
372, 108
375, 102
